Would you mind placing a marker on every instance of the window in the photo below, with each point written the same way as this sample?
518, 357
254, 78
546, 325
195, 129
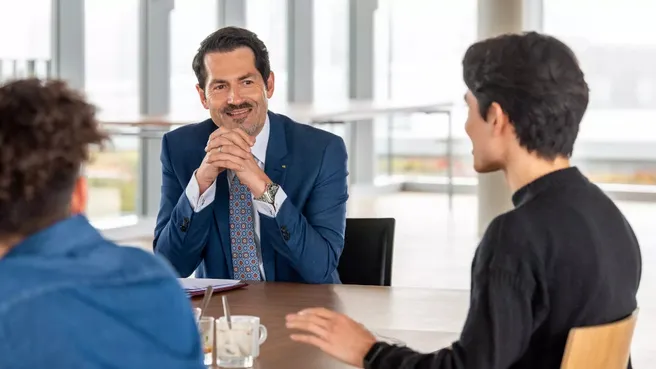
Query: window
618, 132
111, 56
111, 78
27, 52
331, 50
422, 62
191, 22
268, 19
113, 178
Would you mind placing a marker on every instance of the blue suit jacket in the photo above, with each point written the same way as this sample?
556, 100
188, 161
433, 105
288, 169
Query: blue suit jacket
302, 243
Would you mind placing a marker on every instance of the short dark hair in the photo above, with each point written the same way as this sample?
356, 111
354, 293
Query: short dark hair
45, 132
229, 39
537, 81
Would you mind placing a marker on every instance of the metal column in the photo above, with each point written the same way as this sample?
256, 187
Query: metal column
232, 13
154, 95
362, 154
300, 59
67, 43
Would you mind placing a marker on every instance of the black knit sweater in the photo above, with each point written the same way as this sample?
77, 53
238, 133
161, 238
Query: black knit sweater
564, 257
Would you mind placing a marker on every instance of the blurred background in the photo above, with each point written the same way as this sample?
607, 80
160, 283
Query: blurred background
417, 50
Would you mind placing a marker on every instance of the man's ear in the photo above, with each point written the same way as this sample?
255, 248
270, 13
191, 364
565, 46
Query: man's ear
201, 95
497, 119
80, 196
271, 81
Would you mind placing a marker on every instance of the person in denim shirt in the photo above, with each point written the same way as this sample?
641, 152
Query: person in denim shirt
68, 297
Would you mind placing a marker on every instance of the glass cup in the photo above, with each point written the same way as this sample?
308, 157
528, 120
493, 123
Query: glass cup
206, 329
237, 347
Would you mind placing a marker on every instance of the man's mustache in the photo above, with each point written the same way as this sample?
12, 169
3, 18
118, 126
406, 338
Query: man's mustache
230, 108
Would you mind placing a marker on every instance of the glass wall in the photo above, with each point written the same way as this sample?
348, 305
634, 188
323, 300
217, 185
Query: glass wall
618, 133
112, 83
111, 55
418, 51
191, 22
27, 52
268, 19
426, 43
113, 176
331, 51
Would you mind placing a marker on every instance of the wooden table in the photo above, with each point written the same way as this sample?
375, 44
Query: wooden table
425, 319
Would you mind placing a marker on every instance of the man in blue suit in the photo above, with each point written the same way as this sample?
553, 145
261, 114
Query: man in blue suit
250, 194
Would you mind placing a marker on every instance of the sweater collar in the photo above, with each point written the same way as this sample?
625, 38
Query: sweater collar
570, 176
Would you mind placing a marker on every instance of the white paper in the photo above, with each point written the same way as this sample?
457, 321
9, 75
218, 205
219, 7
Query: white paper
200, 284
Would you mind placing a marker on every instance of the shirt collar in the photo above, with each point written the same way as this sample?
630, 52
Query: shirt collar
60, 238
262, 141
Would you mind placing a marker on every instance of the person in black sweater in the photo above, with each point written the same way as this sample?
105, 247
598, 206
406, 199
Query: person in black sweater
564, 257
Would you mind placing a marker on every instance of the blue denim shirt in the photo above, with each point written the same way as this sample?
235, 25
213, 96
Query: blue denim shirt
71, 299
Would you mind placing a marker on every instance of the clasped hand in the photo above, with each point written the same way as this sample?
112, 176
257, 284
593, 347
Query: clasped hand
231, 149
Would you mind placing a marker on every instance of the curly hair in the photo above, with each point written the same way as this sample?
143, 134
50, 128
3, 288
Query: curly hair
46, 129
537, 81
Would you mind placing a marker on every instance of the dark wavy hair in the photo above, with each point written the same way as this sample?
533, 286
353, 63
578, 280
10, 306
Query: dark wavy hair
46, 129
229, 39
537, 81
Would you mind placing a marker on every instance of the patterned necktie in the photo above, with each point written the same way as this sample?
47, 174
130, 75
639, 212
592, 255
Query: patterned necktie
242, 233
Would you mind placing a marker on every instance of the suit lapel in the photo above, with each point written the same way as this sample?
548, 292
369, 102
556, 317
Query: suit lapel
276, 163
275, 167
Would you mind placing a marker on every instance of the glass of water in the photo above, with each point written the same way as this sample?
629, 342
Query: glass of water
239, 345
206, 329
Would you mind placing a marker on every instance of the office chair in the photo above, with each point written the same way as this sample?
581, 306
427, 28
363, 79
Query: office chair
368, 250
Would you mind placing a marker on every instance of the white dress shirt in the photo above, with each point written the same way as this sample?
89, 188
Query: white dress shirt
198, 203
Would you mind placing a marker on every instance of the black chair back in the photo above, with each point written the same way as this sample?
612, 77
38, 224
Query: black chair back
368, 250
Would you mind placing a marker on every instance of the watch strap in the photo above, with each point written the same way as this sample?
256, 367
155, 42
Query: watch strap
269, 194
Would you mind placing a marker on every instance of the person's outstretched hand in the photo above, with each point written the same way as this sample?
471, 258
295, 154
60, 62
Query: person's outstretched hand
333, 333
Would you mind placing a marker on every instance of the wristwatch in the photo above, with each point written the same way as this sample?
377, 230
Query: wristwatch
269, 194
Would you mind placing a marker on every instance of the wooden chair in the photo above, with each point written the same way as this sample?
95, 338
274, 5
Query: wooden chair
605, 346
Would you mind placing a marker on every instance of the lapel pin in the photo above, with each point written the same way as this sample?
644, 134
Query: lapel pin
284, 166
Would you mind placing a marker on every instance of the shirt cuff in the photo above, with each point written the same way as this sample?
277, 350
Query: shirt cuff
198, 203
271, 210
